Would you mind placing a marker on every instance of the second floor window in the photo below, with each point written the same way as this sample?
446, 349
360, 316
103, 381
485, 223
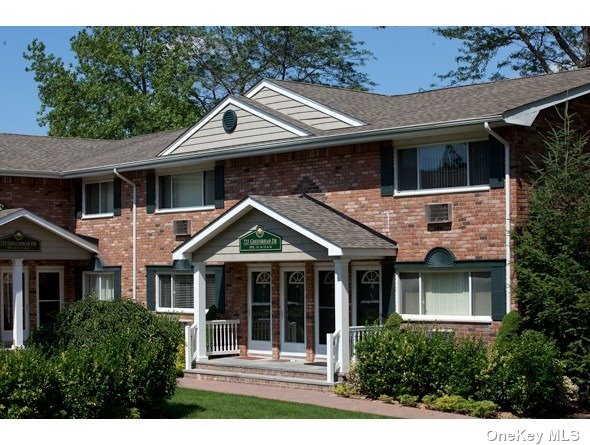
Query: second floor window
98, 198
444, 166
186, 190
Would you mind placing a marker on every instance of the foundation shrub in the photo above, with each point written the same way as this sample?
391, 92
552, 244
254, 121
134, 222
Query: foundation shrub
28, 385
417, 362
114, 358
525, 376
510, 328
458, 404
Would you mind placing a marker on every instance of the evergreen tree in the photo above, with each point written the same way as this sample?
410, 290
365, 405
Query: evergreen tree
552, 250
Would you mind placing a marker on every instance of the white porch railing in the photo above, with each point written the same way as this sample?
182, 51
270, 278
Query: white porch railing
222, 339
356, 334
332, 357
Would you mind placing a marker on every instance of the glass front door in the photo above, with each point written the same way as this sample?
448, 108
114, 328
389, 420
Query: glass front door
7, 306
326, 323
293, 312
49, 295
260, 311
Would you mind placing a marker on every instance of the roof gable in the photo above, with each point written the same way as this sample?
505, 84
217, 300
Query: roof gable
301, 108
254, 125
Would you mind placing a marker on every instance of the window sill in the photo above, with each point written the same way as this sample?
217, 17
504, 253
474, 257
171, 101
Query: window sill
443, 191
166, 310
479, 319
185, 209
98, 216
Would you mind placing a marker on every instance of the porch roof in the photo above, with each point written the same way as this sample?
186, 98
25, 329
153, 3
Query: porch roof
341, 235
60, 241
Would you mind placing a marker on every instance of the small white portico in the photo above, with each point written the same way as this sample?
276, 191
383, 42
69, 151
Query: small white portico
26, 237
285, 236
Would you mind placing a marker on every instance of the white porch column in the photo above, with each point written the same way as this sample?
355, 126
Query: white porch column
18, 303
200, 309
341, 308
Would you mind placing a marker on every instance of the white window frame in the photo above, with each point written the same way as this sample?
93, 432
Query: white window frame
435, 191
353, 270
441, 318
257, 346
85, 290
183, 209
172, 310
84, 199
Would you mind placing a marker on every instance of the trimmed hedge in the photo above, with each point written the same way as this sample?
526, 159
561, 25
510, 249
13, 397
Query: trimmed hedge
98, 359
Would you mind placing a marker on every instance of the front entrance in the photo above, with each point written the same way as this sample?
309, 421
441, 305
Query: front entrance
325, 314
7, 305
260, 311
293, 311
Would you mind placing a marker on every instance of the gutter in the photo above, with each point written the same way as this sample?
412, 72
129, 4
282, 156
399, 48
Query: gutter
301, 143
132, 184
507, 213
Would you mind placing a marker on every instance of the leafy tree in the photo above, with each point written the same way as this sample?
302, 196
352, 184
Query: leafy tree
135, 80
552, 250
528, 50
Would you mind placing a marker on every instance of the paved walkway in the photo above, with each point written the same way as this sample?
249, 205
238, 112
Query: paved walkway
316, 398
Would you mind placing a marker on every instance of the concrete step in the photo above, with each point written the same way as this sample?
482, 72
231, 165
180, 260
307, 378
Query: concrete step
314, 372
260, 379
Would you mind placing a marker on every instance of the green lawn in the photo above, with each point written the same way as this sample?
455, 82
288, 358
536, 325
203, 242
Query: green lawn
196, 404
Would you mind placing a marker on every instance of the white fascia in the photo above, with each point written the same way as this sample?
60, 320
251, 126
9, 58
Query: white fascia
236, 103
50, 227
527, 114
304, 100
184, 251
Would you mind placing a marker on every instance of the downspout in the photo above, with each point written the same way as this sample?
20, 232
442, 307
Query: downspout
507, 210
132, 184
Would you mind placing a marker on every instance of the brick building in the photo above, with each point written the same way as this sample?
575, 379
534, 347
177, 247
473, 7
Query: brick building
297, 210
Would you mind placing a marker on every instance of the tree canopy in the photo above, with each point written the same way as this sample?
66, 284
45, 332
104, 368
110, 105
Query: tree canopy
527, 50
134, 80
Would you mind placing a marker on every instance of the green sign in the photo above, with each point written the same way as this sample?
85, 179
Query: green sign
19, 242
259, 240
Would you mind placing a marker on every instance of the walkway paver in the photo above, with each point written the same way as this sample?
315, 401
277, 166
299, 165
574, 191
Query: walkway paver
328, 400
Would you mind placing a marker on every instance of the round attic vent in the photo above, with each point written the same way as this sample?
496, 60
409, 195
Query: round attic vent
230, 121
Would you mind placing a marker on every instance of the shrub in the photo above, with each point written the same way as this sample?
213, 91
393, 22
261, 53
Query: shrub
408, 400
458, 404
417, 362
525, 376
394, 321
509, 329
429, 399
114, 358
28, 385
342, 390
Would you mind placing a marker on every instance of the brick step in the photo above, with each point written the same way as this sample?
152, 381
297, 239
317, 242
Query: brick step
319, 373
260, 379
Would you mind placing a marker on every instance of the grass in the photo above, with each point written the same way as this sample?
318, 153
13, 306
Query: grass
197, 404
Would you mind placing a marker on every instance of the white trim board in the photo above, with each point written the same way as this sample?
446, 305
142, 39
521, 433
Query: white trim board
305, 101
236, 103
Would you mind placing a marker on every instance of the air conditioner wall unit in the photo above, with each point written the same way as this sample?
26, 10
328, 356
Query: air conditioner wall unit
181, 227
439, 213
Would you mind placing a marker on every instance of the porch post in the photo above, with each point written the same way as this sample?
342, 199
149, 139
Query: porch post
18, 303
341, 308
199, 305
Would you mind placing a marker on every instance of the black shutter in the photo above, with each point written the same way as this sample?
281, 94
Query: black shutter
150, 192
219, 187
117, 283
386, 157
219, 288
496, 163
387, 288
498, 292
78, 198
151, 289
117, 196
78, 270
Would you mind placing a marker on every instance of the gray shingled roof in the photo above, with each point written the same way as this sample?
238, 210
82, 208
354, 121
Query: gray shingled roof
326, 222
442, 105
48, 155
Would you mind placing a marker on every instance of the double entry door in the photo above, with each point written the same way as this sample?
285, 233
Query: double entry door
292, 311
